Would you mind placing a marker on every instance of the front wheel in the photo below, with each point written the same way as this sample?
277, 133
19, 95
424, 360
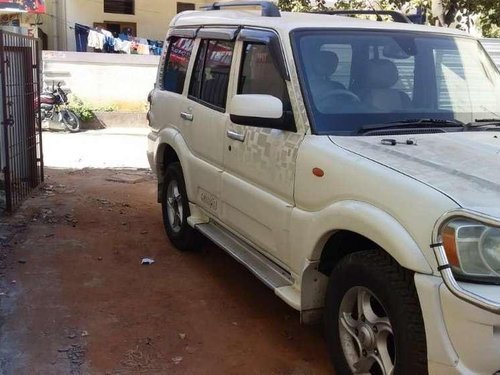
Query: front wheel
70, 121
373, 319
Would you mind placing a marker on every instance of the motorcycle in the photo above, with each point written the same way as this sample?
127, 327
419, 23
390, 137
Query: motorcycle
53, 107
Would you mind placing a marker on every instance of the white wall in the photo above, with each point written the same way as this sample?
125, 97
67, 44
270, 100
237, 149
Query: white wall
123, 81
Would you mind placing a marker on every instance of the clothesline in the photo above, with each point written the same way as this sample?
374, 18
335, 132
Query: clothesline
104, 41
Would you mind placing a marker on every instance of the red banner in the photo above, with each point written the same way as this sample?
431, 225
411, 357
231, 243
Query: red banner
30, 6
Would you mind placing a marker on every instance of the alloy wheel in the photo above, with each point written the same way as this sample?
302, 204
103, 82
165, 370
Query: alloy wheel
175, 209
366, 333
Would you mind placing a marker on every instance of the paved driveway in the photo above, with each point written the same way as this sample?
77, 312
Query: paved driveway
107, 148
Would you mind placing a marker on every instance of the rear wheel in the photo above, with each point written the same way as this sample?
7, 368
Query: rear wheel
175, 207
373, 319
71, 121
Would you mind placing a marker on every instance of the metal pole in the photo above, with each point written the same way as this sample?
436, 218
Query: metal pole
6, 171
39, 114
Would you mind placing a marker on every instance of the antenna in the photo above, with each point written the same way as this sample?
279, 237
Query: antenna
379, 18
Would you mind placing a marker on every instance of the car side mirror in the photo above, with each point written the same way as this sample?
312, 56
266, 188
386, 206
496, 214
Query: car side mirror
262, 111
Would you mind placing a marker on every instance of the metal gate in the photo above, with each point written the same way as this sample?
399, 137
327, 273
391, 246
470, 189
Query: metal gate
21, 160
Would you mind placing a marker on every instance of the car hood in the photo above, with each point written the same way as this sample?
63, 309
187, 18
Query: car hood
464, 166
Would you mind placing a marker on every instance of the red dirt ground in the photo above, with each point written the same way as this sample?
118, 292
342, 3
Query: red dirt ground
76, 300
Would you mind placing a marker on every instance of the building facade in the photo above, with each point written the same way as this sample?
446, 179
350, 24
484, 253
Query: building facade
143, 18
55, 19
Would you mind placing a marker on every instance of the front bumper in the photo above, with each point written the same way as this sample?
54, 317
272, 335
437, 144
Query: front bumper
461, 338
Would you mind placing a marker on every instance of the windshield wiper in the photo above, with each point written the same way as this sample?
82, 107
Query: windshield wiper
478, 123
419, 123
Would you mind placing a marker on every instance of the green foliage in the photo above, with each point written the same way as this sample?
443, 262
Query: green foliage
82, 110
85, 111
490, 22
295, 5
489, 30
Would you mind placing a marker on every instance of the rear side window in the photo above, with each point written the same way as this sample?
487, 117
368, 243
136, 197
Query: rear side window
176, 64
210, 76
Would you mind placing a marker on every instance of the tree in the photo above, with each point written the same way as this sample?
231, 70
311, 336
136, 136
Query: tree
440, 12
294, 5
488, 12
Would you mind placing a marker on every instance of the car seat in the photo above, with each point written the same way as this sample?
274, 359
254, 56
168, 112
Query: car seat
377, 87
324, 66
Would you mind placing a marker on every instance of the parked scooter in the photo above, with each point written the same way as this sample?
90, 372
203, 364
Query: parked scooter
53, 107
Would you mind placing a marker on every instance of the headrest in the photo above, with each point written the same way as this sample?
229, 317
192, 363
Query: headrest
325, 63
381, 74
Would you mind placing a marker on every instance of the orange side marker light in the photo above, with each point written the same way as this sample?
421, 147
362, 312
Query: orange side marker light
450, 246
318, 172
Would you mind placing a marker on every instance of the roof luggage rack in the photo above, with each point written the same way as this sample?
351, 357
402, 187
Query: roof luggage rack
396, 16
269, 9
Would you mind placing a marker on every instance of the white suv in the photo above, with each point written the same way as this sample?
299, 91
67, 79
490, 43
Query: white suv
352, 166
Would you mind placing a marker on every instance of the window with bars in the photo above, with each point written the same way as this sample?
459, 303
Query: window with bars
182, 7
119, 6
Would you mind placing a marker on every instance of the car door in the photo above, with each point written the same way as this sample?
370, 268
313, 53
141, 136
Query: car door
203, 115
259, 163
169, 92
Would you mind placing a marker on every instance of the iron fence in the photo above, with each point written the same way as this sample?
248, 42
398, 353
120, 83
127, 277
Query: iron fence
21, 159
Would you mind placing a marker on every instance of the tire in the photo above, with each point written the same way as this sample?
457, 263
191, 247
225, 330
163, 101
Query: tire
70, 121
389, 299
175, 208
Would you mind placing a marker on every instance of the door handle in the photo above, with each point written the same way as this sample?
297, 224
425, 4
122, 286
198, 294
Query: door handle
236, 136
187, 116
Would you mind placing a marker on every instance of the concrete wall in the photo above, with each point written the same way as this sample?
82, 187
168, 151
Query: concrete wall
123, 81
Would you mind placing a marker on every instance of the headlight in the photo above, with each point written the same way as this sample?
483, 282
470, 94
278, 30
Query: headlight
490, 248
473, 250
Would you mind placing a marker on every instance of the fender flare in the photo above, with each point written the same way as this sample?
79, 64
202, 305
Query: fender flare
172, 137
166, 137
358, 217
373, 223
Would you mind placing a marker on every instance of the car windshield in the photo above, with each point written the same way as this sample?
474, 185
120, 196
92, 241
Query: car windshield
352, 80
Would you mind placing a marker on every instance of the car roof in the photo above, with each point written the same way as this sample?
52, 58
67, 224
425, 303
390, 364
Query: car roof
295, 20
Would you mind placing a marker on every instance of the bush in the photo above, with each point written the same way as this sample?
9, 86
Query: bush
85, 111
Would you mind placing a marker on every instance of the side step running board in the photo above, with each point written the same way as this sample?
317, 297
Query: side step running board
270, 273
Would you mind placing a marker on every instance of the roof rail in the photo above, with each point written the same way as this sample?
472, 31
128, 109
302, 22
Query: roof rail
396, 16
269, 9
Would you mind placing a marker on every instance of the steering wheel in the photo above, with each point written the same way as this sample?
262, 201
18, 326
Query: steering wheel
336, 97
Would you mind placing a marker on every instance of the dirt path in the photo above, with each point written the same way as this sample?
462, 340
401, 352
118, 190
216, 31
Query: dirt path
74, 298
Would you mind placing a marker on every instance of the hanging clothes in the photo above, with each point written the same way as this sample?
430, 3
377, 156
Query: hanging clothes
122, 46
123, 36
103, 40
109, 41
134, 47
143, 49
96, 40
155, 47
81, 37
